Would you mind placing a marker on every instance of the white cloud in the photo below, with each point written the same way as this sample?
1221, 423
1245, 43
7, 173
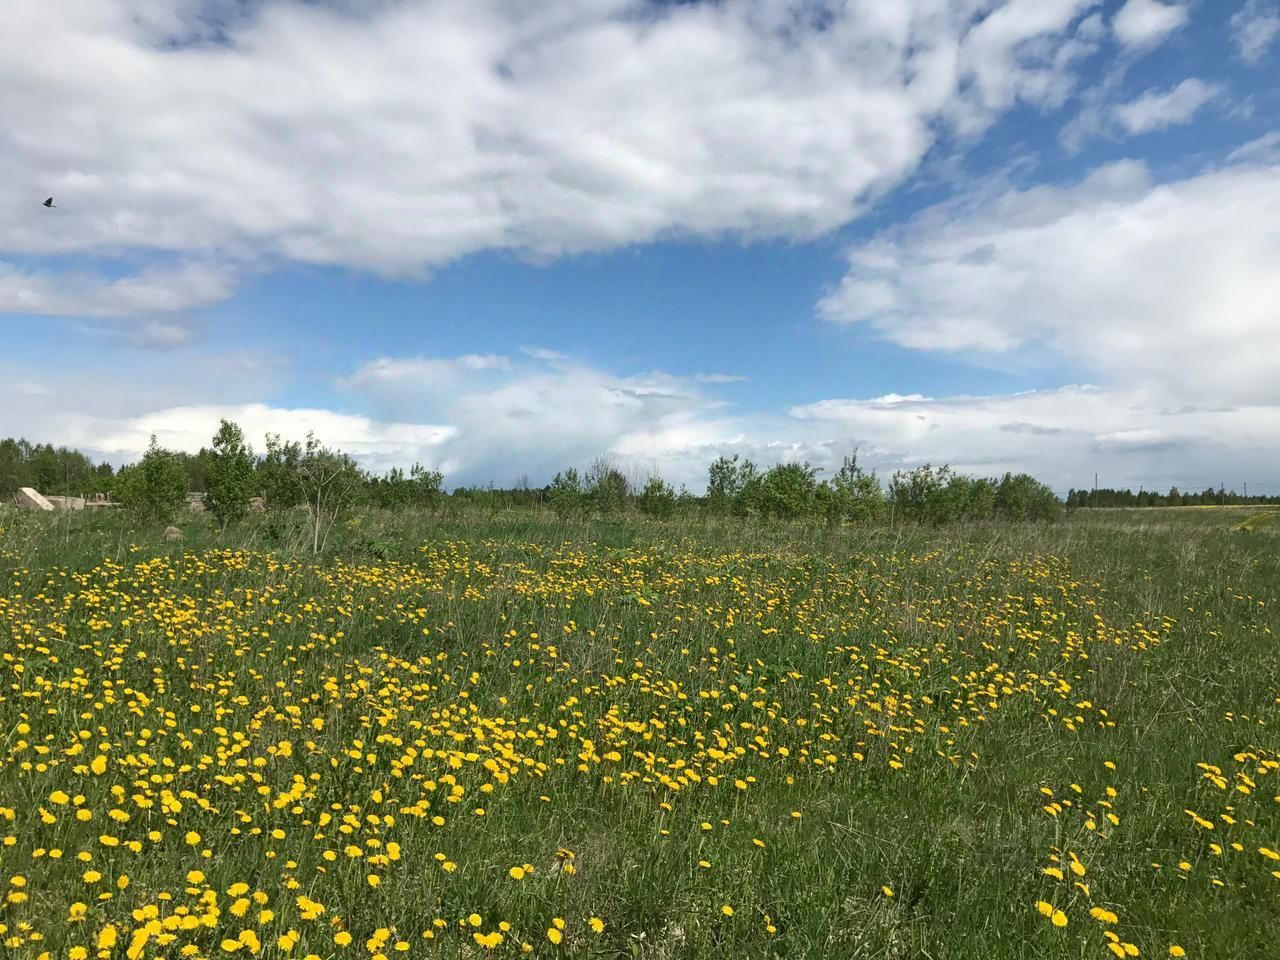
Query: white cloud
157, 289
1148, 23
28, 388
1129, 435
719, 378
190, 427
422, 374
1175, 284
538, 420
1265, 149
162, 335
397, 137
535, 416
1155, 109
1256, 26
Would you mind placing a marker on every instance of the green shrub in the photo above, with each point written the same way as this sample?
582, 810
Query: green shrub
155, 489
657, 500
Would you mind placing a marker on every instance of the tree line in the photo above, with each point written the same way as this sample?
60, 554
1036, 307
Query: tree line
288, 475
1208, 497
793, 491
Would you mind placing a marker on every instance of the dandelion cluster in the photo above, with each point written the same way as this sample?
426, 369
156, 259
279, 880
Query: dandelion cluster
513, 749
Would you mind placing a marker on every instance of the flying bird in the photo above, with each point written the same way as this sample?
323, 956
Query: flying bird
49, 202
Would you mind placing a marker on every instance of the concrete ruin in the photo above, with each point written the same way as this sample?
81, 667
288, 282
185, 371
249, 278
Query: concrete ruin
67, 503
29, 499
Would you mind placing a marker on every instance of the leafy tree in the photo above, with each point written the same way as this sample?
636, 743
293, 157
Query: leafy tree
785, 491
278, 474
155, 489
229, 477
420, 488
657, 499
606, 488
565, 495
856, 495
50, 470
329, 481
1022, 497
914, 494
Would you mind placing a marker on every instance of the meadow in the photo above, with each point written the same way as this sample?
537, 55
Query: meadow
491, 736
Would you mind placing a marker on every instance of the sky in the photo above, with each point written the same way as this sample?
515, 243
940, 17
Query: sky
503, 238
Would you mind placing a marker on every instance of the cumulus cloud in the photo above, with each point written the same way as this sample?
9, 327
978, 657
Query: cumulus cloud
1174, 284
538, 414
396, 137
541, 418
1255, 27
377, 444
1148, 23
1157, 109
1126, 434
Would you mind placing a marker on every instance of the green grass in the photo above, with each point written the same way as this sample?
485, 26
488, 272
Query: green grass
923, 699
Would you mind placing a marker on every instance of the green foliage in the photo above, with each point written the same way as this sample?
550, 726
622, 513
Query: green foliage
278, 473
155, 489
1209, 497
734, 486
657, 500
329, 481
1022, 497
230, 477
289, 474
420, 488
566, 496
787, 491
855, 495
606, 488
57, 471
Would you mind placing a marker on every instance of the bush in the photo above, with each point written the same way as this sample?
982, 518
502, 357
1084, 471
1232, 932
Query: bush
155, 489
733, 487
565, 495
855, 495
606, 488
1023, 497
657, 499
421, 488
786, 491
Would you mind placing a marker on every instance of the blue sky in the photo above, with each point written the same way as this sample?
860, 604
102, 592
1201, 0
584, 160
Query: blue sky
1006, 234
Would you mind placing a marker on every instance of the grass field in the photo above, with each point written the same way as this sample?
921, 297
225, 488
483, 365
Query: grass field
485, 737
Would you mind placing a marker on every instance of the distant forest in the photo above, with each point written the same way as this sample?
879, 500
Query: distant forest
1174, 498
740, 487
